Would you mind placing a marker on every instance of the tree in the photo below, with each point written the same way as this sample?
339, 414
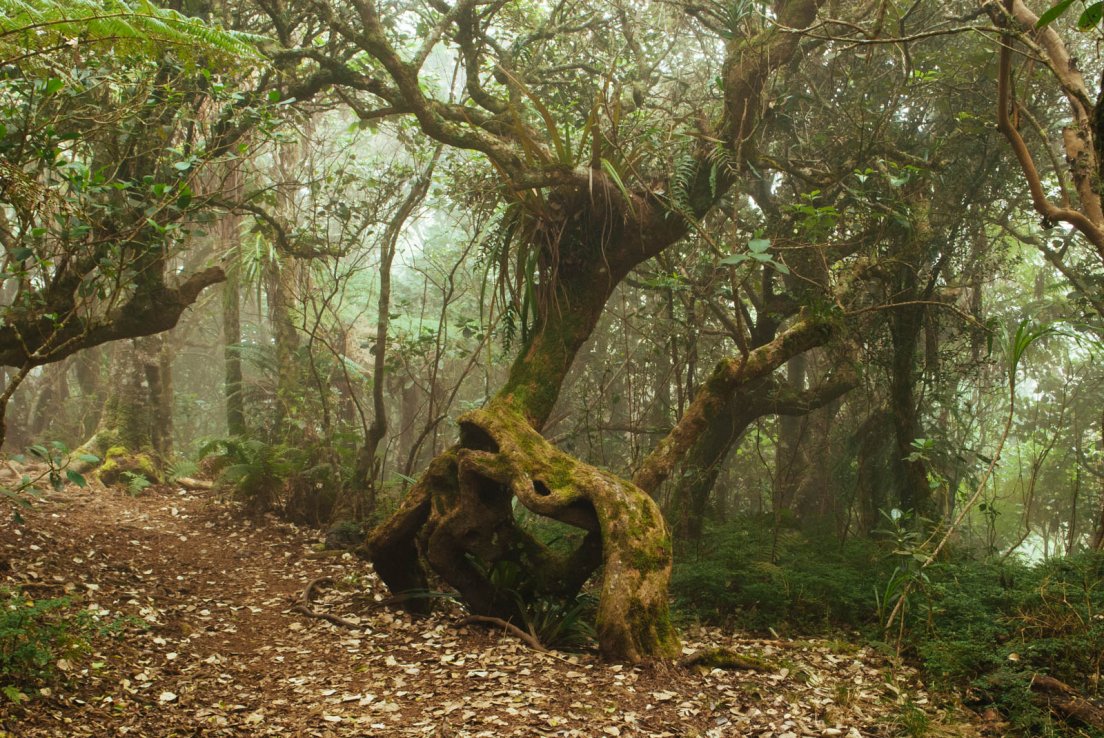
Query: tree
1062, 195
95, 204
581, 215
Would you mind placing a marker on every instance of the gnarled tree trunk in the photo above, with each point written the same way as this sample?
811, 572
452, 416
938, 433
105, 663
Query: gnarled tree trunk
459, 515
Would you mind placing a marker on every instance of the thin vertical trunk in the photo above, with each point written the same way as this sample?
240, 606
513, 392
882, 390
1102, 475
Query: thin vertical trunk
788, 459
231, 354
369, 470
230, 232
1098, 532
165, 401
911, 475
282, 279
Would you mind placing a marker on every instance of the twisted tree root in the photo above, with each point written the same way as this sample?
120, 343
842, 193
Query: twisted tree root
303, 605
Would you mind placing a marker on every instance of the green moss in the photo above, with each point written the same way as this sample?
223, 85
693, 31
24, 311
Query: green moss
652, 556
121, 465
560, 473
109, 471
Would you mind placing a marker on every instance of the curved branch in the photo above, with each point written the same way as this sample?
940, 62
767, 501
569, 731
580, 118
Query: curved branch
1078, 143
42, 340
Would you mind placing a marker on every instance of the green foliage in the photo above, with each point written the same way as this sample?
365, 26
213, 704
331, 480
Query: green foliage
298, 481
181, 468
33, 26
136, 483
748, 575
984, 627
256, 471
39, 637
991, 625
57, 458
562, 624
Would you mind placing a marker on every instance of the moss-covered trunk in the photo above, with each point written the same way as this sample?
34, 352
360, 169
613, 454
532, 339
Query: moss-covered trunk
460, 514
690, 496
587, 231
129, 439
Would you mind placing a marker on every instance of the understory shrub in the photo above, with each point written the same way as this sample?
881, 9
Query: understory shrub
982, 627
297, 482
746, 575
40, 638
989, 626
565, 624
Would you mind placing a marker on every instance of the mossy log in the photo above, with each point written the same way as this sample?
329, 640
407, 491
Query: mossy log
463, 513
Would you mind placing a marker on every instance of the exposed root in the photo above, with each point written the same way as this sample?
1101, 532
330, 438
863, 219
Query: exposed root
190, 483
1065, 702
303, 605
509, 627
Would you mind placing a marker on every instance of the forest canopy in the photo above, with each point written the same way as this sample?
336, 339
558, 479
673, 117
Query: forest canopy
536, 303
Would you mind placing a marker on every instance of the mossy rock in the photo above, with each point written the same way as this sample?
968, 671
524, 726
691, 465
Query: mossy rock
121, 467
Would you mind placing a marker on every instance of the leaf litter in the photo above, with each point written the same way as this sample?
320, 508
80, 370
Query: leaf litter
223, 651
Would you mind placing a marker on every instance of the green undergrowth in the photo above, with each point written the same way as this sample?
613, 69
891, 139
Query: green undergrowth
978, 627
989, 626
44, 640
746, 575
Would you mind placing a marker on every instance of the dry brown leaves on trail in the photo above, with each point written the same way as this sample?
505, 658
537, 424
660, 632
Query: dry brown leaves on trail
225, 653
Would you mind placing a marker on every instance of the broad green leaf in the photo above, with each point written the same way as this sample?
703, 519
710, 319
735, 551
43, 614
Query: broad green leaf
76, 478
1051, 14
1091, 16
759, 245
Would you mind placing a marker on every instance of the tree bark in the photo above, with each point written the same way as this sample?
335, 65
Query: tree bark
369, 466
716, 391
747, 404
587, 232
230, 232
459, 514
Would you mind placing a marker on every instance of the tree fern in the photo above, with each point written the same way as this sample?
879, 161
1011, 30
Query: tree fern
31, 27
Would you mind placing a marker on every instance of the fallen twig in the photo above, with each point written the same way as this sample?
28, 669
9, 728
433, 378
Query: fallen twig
509, 627
1066, 702
723, 658
190, 483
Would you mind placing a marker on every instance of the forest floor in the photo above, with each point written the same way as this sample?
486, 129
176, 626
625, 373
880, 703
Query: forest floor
216, 648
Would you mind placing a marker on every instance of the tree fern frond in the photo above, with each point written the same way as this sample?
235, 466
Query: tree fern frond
31, 25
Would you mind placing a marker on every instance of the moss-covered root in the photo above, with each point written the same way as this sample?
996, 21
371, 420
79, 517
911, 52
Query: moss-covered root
634, 622
392, 546
120, 466
633, 616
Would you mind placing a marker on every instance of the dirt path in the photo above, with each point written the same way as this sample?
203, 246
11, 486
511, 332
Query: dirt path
224, 654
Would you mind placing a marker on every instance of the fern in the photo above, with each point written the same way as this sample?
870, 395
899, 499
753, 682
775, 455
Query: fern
30, 27
257, 471
682, 181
